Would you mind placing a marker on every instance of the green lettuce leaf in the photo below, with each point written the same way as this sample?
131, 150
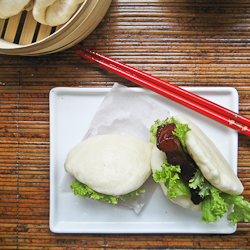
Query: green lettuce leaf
241, 208
170, 177
197, 181
83, 190
207, 213
213, 206
216, 203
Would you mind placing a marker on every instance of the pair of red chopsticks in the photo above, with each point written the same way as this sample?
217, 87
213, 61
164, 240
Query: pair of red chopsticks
177, 94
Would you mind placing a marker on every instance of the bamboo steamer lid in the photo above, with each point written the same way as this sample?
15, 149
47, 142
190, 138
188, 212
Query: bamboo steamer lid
22, 35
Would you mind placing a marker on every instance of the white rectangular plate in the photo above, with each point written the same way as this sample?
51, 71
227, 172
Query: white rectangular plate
71, 111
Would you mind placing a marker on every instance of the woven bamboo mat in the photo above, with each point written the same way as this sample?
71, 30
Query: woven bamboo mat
185, 42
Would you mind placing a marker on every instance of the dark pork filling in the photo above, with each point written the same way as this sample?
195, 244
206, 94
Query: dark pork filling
170, 144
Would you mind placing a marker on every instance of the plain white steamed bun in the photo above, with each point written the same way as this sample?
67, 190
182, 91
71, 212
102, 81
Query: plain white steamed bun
111, 164
10, 8
54, 12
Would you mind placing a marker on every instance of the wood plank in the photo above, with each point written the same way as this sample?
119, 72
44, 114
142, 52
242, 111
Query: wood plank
11, 29
28, 30
44, 31
2, 22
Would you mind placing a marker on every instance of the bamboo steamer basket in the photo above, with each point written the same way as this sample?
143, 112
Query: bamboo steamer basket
22, 35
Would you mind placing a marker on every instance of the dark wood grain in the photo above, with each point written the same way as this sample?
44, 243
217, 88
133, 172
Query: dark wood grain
185, 42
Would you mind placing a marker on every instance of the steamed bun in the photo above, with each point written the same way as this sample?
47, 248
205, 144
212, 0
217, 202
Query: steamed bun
54, 12
10, 8
209, 159
110, 164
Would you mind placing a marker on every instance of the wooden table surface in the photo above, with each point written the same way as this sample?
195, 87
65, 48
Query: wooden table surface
185, 42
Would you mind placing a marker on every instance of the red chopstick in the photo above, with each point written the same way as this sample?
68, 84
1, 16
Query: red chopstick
198, 99
211, 110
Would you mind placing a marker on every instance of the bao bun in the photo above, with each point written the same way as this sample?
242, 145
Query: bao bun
208, 158
9, 8
111, 164
54, 12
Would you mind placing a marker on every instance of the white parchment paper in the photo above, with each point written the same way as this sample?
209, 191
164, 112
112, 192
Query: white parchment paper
127, 112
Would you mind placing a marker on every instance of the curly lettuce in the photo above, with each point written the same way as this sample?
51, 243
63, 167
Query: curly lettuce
241, 208
216, 203
85, 191
169, 175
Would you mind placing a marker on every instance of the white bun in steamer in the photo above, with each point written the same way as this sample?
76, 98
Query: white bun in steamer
54, 12
10, 8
